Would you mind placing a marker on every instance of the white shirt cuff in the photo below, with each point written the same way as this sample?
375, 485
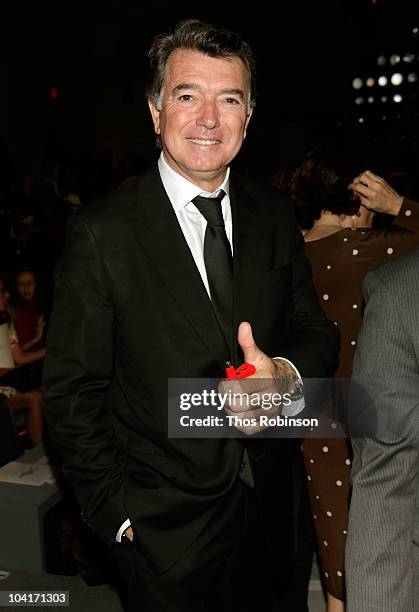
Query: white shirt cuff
122, 528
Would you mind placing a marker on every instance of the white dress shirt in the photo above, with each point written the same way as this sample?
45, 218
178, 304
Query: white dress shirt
193, 225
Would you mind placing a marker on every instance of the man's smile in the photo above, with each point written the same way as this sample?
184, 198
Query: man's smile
201, 141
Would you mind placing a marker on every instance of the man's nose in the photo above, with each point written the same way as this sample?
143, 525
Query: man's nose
208, 115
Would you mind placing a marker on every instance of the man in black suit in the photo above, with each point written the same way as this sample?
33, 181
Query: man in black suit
149, 290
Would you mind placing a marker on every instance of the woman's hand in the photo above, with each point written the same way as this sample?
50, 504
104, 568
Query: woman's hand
376, 194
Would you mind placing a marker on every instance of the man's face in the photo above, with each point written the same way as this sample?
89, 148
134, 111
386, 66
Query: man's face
204, 115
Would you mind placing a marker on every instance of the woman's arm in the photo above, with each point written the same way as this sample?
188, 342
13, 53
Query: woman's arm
21, 357
37, 337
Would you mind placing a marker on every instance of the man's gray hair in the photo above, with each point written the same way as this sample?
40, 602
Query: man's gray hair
212, 40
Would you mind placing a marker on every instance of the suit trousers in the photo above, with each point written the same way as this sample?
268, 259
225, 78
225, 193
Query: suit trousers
226, 568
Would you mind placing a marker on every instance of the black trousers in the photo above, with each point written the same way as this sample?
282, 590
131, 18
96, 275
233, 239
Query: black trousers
10, 446
226, 568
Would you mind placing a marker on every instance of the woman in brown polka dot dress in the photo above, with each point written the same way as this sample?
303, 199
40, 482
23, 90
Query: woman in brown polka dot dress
342, 248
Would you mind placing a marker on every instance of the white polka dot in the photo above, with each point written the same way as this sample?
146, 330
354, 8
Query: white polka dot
328, 267
325, 543
335, 322
355, 252
309, 478
345, 532
390, 251
325, 449
314, 516
325, 297
354, 305
348, 461
326, 574
302, 447
345, 240
311, 460
329, 513
407, 213
333, 425
317, 497
353, 342
362, 233
339, 483
339, 573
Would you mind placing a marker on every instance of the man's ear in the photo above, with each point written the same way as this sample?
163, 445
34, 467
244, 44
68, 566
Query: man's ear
155, 115
249, 114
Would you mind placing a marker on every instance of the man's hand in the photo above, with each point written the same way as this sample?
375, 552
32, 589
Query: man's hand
266, 367
376, 194
273, 378
129, 534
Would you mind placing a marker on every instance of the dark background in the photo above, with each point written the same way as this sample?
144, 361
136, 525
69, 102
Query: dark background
308, 53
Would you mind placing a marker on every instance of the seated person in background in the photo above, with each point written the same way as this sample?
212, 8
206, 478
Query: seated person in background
16, 383
27, 315
20, 357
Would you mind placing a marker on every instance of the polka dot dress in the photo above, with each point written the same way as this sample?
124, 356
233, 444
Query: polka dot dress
328, 465
340, 262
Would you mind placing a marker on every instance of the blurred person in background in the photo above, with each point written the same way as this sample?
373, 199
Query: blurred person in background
382, 552
22, 385
27, 312
337, 202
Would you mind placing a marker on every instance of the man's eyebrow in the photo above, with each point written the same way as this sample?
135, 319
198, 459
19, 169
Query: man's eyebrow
182, 86
233, 91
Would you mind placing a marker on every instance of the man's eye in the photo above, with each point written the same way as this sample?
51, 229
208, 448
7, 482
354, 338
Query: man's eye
185, 98
232, 101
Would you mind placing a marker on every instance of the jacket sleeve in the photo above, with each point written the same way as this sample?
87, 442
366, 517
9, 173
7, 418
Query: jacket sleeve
312, 344
77, 373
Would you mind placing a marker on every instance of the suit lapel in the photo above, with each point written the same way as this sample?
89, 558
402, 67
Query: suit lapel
161, 236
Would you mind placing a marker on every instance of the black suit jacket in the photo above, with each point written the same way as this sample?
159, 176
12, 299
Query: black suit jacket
130, 311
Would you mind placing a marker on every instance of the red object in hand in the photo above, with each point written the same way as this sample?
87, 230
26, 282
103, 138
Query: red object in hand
243, 371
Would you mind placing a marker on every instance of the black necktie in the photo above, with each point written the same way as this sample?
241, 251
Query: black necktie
218, 262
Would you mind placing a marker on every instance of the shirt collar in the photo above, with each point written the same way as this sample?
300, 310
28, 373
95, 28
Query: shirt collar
180, 190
